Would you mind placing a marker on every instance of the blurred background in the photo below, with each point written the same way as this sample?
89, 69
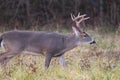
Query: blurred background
35, 14
86, 62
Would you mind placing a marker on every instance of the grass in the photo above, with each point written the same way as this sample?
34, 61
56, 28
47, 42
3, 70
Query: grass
86, 62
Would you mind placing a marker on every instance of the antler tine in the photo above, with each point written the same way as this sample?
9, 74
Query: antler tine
83, 19
79, 16
78, 19
72, 17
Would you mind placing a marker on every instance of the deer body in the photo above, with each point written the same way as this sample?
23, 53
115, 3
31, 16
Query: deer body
45, 43
49, 44
38, 42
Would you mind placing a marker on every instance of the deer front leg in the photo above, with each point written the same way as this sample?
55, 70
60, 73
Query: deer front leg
47, 60
62, 61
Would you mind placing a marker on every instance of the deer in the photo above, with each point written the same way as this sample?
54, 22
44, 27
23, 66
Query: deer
48, 44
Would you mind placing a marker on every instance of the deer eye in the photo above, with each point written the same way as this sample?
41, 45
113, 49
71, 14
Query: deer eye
84, 35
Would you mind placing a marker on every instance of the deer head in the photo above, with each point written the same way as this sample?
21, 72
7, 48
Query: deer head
82, 36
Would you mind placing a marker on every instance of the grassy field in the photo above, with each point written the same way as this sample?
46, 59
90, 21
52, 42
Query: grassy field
86, 62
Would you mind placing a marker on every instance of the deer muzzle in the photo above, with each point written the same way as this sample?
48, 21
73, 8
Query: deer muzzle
93, 42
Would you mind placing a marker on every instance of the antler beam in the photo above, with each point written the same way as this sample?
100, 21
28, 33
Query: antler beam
78, 19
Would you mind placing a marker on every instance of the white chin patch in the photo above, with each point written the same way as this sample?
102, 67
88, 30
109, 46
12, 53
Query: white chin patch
91, 41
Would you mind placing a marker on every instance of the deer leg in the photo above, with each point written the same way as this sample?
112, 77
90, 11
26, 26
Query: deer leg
62, 61
6, 57
47, 60
5, 61
2, 56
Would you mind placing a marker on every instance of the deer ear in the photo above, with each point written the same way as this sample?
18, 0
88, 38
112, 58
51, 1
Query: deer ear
76, 32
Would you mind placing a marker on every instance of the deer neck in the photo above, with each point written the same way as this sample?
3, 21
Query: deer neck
71, 41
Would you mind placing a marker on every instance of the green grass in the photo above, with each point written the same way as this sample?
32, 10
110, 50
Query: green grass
86, 62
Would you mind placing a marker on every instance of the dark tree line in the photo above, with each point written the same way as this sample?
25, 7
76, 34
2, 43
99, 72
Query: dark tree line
40, 12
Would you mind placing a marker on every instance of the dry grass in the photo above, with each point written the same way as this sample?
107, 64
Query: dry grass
86, 62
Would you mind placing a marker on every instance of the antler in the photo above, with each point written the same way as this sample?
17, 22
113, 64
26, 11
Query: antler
78, 20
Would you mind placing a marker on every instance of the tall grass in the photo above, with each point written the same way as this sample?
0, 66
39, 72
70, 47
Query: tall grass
86, 62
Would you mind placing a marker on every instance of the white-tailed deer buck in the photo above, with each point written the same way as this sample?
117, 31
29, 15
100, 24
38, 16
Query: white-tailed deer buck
49, 44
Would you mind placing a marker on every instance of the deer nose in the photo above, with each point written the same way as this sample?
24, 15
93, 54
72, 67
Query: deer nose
93, 42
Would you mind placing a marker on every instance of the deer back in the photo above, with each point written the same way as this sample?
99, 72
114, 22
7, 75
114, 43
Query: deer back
35, 41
